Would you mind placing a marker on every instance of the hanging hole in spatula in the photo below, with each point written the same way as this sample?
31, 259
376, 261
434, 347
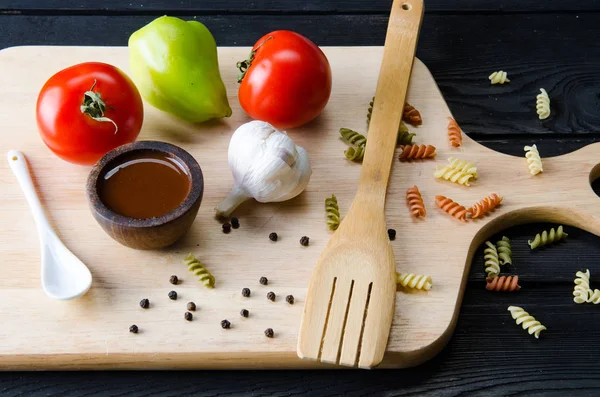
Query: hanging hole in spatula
406, 7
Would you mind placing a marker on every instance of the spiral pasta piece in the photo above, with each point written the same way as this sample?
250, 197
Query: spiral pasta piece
582, 291
332, 212
546, 238
503, 284
484, 206
198, 269
491, 261
527, 321
353, 137
415, 281
411, 115
404, 136
542, 104
409, 152
355, 153
454, 133
451, 207
457, 171
594, 297
504, 251
499, 77
534, 160
415, 202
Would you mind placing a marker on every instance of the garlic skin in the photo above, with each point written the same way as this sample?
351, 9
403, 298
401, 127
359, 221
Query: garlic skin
266, 165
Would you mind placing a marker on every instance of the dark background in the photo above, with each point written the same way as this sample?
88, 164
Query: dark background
552, 44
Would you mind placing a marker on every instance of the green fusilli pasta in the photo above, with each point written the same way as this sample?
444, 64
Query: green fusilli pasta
198, 269
504, 251
332, 212
546, 237
492, 264
356, 152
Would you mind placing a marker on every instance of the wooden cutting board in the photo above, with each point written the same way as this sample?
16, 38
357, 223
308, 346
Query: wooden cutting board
92, 332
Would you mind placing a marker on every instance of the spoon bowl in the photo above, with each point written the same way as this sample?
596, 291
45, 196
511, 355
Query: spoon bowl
64, 276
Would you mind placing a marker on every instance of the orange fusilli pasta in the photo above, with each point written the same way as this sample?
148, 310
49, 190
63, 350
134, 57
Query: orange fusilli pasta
503, 283
454, 134
484, 206
415, 202
411, 115
409, 152
451, 207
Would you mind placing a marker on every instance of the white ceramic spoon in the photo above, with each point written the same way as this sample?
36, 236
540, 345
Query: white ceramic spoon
64, 276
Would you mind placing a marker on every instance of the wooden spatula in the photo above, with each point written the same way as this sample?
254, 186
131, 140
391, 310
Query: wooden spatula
350, 301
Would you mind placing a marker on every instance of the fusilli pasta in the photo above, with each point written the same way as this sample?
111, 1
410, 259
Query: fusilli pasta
454, 133
534, 160
542, 104
411, 115
358, 141
545, 238
582, 291
594, 297
484, 206
499, 77
503, 284
415, 281
491, 261
504, 251
451, 207
405, 137
528, 322
198, 269
457, 171
332, 212
415, 202
409, 152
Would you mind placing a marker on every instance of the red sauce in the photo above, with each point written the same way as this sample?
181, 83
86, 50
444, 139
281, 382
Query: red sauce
145, 185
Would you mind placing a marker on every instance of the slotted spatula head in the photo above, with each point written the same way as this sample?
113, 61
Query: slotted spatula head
350, 302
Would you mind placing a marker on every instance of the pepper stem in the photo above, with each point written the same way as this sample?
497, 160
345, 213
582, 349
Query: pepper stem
231, 202
246, 63
94, 106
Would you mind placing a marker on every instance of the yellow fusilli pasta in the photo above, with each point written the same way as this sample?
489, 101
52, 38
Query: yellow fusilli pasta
198, 269
504, 251
594, 297
542, 104
498, 77
332, 211
415, 281
545, 238
492, 263
527, 321
534, 160
582, 290
457, 171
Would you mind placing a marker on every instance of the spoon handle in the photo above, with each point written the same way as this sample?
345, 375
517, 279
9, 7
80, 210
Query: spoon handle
18, 165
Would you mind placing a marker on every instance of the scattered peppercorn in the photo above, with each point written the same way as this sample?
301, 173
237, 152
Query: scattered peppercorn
245, 292
133, 329
273, 236
304, 241
174, 279
392, 234
173, 295
290, 299
263, 280
191, 306
188, 316
235, 222
145, 303
271, 296
269, 332
225, 324
226, 227
244, 313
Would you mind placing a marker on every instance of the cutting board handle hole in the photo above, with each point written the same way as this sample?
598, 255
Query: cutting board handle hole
595, 179
406, 6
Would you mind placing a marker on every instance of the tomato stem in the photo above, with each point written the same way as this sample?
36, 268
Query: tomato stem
246, 63
94, 106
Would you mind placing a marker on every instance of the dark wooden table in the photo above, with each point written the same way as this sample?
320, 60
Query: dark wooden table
552, 44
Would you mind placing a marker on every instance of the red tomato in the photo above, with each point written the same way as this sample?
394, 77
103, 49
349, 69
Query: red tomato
287, 80
72, 132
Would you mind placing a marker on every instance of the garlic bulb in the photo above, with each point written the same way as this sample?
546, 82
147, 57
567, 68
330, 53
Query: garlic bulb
266, 165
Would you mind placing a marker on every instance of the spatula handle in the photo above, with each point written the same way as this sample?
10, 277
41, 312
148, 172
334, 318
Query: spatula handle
398, 57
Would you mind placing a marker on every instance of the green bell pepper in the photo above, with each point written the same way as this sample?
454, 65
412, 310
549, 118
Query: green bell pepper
175, 67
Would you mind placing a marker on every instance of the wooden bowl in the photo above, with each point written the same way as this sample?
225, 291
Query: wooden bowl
151, 233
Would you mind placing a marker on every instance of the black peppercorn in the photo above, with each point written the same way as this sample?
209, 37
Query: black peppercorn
244, 313
191, 306
263, 281
173, 295
145, 303
133, 329
392, 234
225, 324
290, 299
271, 296
304, 241
273, 236
245, 292
235, 223
174, 280
269, 332
188, 316
226, 227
